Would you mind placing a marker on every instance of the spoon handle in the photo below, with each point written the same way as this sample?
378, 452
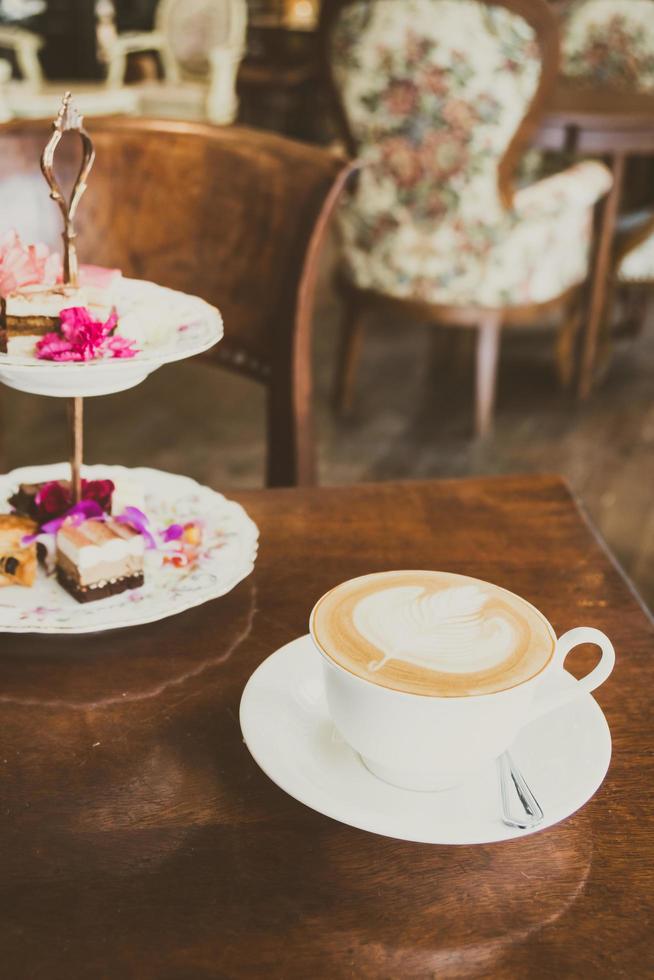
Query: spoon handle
511, 775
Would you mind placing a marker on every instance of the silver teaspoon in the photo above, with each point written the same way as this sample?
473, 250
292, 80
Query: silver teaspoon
510, 775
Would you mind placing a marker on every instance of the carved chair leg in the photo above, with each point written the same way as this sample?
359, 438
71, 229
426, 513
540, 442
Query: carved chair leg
566, 344
634, 309
290, 458
349, 354
488, 349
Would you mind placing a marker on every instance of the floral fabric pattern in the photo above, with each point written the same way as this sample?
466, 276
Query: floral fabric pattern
434, 91
610, 42
638, 264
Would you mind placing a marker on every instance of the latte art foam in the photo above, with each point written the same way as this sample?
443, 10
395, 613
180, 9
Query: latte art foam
446, 631
432, 633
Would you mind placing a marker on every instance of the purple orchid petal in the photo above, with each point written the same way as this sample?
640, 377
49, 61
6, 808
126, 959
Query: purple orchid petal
85, 510
136, 518
173, 532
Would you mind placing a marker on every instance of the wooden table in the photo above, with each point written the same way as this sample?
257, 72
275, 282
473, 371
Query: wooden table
602, 122
140, 840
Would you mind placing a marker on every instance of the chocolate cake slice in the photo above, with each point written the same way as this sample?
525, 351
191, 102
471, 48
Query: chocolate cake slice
97, 559
24, 499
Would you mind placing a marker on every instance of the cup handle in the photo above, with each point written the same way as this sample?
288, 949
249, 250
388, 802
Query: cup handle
597, 676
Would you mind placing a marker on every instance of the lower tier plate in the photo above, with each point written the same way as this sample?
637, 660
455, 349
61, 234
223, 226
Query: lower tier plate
225, 558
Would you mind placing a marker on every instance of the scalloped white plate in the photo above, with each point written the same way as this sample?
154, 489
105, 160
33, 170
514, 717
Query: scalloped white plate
229, 549
190, 326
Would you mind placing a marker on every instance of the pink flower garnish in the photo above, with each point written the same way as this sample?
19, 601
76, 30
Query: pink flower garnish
120, 347
100, 491
84, 339
25, 265
54, 498
85, 334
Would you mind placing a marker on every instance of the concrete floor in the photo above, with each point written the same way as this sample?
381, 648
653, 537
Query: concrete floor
413, 418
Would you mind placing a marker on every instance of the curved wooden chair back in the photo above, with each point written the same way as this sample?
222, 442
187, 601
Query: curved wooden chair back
233, 215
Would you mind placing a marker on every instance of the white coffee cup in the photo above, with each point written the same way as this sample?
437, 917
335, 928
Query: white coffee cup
422, 742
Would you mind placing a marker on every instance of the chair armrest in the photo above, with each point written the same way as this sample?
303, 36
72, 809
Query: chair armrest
133, 42
580, 186
222, 101
26, 46
136, 42
5, 75
15, 38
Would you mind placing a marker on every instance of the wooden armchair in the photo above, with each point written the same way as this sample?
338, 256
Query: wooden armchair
233, 215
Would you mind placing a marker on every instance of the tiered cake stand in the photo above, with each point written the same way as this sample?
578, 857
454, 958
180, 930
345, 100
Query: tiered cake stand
229, 538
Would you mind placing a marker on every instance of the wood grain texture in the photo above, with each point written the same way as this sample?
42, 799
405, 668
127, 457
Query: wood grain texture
598, 115
177, 203
139, 839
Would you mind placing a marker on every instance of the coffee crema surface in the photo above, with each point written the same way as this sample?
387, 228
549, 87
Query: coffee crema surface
432, 633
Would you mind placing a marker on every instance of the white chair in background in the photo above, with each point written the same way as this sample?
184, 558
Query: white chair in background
25, 46
5, 75
200, 44
34, 97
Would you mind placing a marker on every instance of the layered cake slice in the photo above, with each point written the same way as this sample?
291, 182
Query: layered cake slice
17, 559
32, 312
96, 559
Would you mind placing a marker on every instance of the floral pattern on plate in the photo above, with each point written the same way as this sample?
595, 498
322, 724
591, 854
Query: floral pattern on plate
225, 557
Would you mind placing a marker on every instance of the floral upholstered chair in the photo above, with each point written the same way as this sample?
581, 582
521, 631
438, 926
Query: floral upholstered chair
437, 99
634, 272
610, 42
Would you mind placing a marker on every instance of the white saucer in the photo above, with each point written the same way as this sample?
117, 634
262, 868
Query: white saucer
564, 757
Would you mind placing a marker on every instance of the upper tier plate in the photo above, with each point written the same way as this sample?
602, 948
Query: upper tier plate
226, 557
188, 326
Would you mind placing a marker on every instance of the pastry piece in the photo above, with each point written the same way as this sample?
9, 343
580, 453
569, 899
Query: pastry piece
96, 559
31, 312
17, 560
